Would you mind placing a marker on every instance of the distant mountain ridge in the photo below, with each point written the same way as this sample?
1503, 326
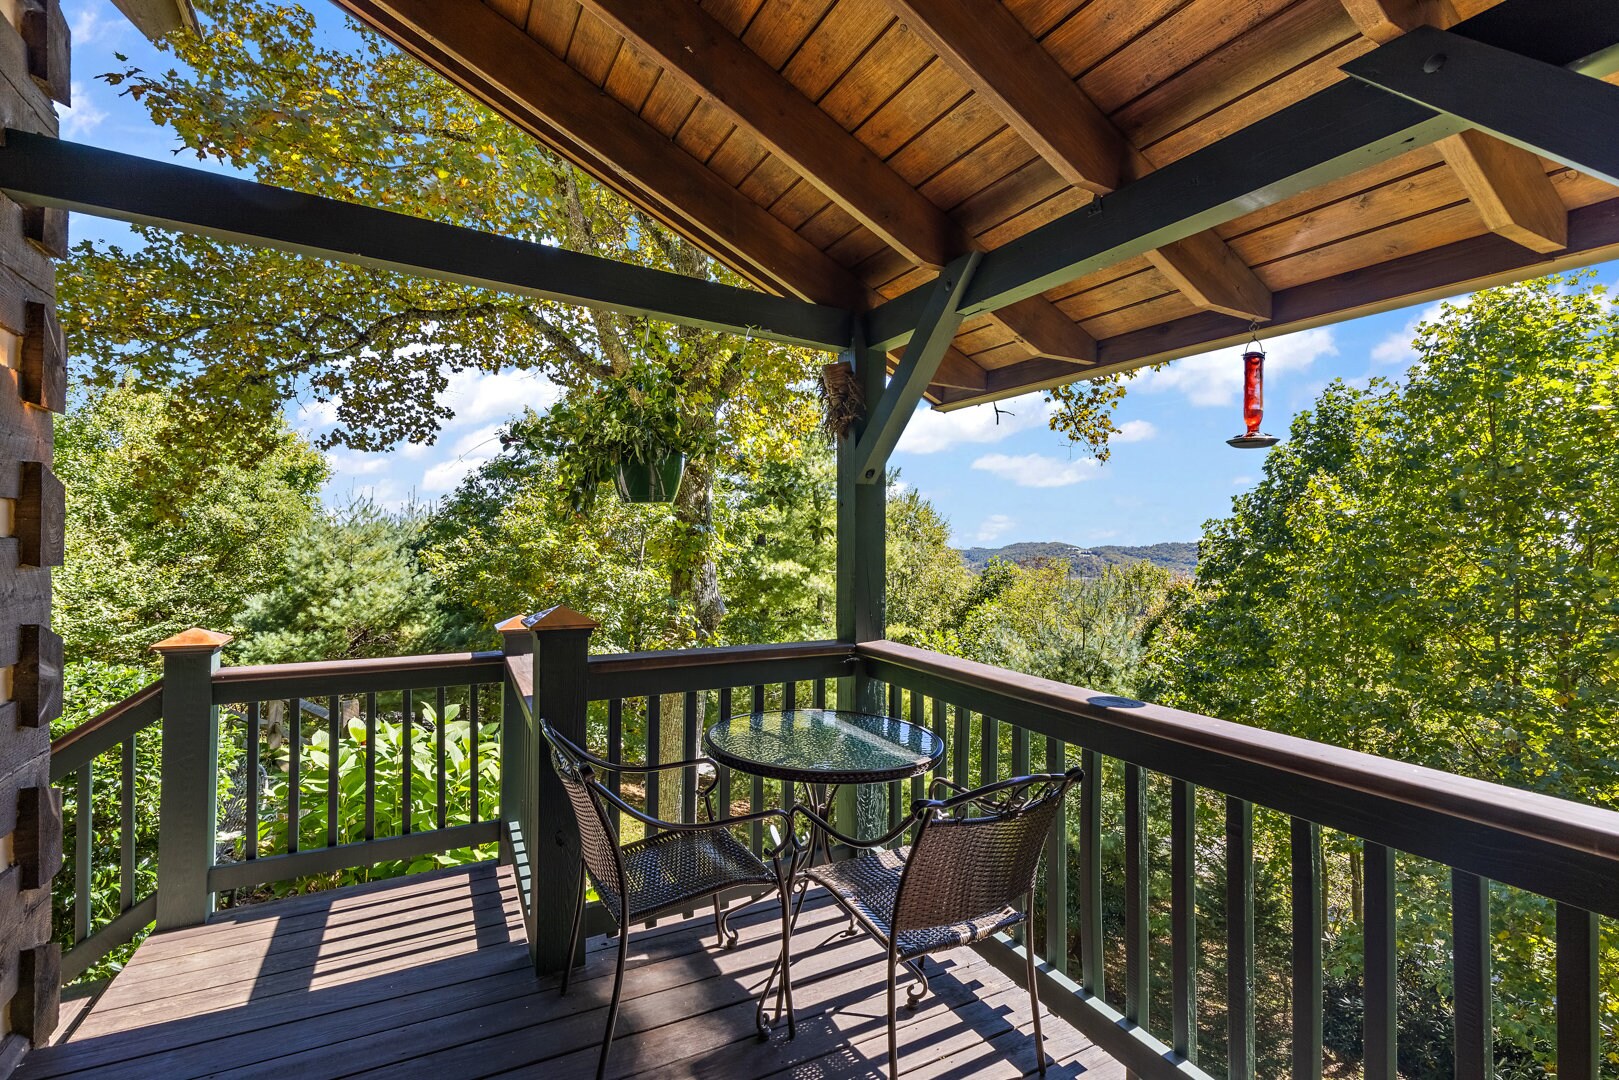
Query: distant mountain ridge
1087, 562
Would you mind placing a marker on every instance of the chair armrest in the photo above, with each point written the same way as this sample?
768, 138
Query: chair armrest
817, 821
949, 785
707, 826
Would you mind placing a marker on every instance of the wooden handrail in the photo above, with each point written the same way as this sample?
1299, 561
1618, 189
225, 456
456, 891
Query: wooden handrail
105, 730
617, 675
261, 682
1554, 847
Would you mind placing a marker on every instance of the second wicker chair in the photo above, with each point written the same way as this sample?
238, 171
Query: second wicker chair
969, 872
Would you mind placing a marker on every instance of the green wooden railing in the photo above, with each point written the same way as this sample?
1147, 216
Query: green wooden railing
1104, 959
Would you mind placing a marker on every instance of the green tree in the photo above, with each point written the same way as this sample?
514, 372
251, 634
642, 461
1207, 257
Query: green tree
150, 549
349, 588
233, 333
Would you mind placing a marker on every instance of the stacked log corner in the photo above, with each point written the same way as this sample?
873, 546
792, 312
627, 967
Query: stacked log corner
33, 382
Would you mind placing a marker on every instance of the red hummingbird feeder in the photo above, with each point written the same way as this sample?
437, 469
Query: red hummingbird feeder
1253, 402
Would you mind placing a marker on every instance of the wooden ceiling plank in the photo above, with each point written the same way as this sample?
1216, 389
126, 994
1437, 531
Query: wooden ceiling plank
545, 94
699, 52
989, 48
1510, 190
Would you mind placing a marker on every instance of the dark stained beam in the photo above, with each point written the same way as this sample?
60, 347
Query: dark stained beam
697, 50
1333, 133
989, 49
1477, 263
892, 411
48, 172
1542, 107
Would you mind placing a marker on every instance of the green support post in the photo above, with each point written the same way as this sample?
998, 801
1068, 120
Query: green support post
189, 811
862, 566
561, 695
518, 773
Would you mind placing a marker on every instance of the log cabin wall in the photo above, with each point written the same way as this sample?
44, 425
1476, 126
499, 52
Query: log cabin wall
33, 74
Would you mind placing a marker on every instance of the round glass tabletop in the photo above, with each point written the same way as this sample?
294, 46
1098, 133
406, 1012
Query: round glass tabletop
824, 746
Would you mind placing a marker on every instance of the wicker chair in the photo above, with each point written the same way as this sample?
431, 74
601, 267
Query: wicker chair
968, 873
683, 862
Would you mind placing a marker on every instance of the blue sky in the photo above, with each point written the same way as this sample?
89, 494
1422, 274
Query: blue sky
998, 479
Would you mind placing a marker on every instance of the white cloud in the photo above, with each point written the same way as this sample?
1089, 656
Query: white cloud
993, 528
1241, 481
1037, 470
1214, 379
91, 24
476, 396
1133, 431
83, 117
470, 451
931, 431
1395, 349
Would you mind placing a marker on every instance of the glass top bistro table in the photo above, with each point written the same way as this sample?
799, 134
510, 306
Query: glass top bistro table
819, 749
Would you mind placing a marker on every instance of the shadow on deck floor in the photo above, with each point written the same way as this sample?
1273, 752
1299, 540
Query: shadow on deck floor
429, 977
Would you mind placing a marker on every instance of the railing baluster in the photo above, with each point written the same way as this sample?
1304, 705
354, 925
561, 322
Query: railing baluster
1240, 937
83, 835
1137, 932
371, 766
722, 782
438, 729
407, 766
254, 736
1020, 751
1057, 868
654, 740
1382, 1018
1578, 997
615, 752
989, 760
126, 826
1470, 934
820, 693
334, 714
688, 750
472, 738
757, 801
962, 751
896, 790
1090, 875
1308, 1003
1183, 917
918, 783
294, 773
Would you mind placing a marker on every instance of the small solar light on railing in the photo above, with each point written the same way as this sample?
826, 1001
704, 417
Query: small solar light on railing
1253, 401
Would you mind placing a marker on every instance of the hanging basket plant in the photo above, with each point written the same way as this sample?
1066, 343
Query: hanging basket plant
631, 432
842, 402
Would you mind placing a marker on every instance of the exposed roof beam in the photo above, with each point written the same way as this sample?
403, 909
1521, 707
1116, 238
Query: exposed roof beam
1504, 183
518, 75
1419, 278
1504, 93
695, 48
49, 172
991, 51
1333, 133
1510, 190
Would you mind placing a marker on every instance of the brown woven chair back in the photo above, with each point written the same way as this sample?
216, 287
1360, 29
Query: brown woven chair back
597, 840
977, 853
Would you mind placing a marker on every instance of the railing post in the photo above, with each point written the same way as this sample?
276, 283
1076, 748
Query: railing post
188, 812
561, 694
518, 774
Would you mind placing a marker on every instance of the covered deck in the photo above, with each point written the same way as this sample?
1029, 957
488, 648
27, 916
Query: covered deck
430, 975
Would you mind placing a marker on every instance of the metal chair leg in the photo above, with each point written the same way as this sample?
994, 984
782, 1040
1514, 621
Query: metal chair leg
787, 962
1034, 994
612, 1009
893, 1016
573, 935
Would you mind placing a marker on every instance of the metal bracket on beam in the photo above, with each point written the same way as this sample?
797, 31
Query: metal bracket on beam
1540, 107
935, 329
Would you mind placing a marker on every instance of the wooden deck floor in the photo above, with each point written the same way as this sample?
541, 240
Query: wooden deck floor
429, 977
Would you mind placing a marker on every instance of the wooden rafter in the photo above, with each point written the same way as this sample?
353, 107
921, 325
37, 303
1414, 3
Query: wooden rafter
1510, 190
992, 52
1505, 183
695, 48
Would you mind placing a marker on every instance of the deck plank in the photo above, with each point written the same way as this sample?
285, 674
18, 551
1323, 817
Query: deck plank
430, 977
